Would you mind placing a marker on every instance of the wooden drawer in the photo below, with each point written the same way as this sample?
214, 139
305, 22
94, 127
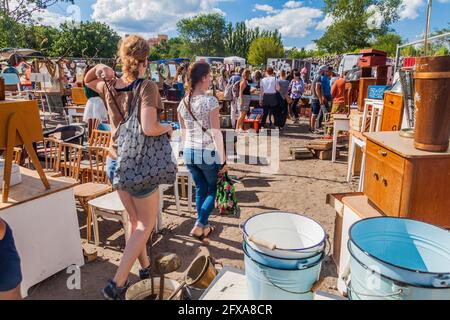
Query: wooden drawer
385, 156
383, 184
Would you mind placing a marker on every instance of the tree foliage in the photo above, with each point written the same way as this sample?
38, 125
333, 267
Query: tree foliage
89, 39
387, 42
357, 23
264, 48
174, 48
238, 39
204, 34
22, 10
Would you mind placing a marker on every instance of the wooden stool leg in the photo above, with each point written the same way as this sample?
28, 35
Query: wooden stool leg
88, 221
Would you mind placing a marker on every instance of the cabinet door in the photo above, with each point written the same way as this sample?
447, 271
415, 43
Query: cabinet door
391, 182
372, 185
384, 180
392, 112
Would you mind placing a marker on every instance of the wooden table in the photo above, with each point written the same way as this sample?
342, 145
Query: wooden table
45, 227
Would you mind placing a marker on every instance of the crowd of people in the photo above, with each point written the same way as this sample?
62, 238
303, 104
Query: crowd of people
280, 96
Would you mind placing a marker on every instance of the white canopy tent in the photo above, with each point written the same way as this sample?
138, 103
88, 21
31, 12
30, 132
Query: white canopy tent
237, 61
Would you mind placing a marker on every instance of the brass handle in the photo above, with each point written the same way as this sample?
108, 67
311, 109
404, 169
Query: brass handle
376, 176
385, 182
391, 102
382, 153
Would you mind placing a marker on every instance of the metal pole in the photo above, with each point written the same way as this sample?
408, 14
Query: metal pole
397, 58
427, 31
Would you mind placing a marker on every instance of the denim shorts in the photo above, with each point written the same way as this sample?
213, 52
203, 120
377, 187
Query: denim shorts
10, 272
111, 168
316, 107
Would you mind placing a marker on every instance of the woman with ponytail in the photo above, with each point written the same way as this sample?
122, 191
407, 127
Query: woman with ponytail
142, 207
204, 151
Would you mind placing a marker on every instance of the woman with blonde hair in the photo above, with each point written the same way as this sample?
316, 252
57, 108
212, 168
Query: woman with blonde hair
123, 96
244, 99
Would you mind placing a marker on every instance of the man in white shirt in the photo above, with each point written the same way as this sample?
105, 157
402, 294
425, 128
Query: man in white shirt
268, 98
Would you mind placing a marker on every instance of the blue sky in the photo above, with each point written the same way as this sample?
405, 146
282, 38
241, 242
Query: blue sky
300, 22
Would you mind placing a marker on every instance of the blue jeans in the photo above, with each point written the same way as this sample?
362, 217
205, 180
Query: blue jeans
204, 166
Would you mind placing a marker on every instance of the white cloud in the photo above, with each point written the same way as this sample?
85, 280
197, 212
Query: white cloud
376, 19
50, 18
263, 7
289, 22
326, 22
311, 47
149, 16
409, 9
293, 4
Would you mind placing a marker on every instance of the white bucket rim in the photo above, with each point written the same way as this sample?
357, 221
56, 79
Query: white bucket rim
290, 213
387, 262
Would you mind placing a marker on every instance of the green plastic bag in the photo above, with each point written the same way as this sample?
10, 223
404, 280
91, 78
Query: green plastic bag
226, 201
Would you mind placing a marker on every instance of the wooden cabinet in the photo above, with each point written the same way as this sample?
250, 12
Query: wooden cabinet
405, 182
393, 112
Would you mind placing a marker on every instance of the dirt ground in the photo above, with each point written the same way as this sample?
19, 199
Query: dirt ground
300, 186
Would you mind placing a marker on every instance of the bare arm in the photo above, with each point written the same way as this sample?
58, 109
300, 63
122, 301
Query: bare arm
318, 90
95, 77
183, 130
151, 125
217, 134
242, 88
2, 229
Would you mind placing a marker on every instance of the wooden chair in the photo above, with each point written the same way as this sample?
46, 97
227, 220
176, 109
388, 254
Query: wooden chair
100, 138
52, 156
98, 186
70, 159
17, 155
70, 167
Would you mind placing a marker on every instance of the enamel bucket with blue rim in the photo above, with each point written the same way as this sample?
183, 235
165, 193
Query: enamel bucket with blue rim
283, 255
398, 259
285, 235
270, 283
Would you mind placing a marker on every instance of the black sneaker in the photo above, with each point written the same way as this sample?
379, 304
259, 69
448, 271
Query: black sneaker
112, 292
145, 274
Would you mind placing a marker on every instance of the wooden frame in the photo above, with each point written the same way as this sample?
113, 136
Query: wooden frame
22, 126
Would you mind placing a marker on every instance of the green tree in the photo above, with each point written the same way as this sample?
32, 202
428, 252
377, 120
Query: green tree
174, 48
264, 48
238, 39
387, 42
203, 34
352, 28
11, 32
90, 39
23, 10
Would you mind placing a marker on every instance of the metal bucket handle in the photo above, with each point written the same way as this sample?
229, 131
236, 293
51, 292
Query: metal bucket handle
399, 292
